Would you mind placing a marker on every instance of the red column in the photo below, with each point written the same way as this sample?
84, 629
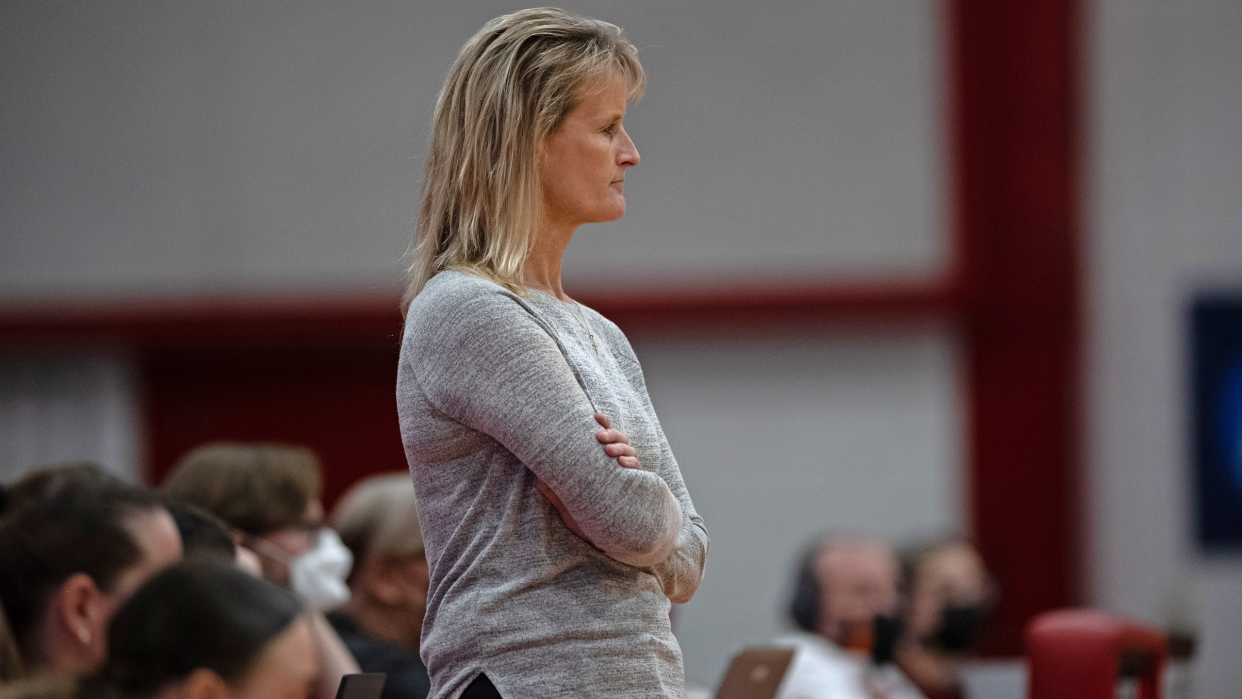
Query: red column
1015, 131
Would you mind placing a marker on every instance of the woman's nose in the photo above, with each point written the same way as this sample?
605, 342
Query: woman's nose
628, 155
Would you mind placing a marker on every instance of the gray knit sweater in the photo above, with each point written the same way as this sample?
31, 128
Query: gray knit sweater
492, 391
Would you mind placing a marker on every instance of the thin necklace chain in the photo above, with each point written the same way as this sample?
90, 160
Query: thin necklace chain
581, 318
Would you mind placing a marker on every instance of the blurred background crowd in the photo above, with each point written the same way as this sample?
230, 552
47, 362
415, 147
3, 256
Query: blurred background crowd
231, 578
961, 282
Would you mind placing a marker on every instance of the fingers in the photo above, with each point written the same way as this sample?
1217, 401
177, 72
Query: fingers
611, 437
616, 444
619, 449
624, 454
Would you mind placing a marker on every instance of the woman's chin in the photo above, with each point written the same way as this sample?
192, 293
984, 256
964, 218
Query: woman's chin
610, 210
615, 211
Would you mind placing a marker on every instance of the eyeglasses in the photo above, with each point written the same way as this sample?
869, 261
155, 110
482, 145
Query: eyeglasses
273, 551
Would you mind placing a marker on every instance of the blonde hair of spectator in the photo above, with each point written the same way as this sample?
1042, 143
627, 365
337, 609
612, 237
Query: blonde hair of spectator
512, 85
379, 516
257, 488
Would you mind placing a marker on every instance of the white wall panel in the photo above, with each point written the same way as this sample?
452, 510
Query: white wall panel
64, 408
1165, 218
781, 440
245, 146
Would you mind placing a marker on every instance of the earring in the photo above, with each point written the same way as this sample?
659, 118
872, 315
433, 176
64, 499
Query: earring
84, 635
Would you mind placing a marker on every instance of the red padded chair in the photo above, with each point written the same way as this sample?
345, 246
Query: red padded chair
1084, 654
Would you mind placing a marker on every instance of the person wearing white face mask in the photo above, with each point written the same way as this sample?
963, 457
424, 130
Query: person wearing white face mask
318, 574
270, 495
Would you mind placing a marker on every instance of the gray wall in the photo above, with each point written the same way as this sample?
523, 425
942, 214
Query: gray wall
1165, 216
780, 440
234, 146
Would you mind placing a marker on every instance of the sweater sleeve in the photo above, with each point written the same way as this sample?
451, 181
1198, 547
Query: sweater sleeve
483, 360
682, 571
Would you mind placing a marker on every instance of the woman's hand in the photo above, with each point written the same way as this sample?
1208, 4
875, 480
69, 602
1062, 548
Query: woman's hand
617, 446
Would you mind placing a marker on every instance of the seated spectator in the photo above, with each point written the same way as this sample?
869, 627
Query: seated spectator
951, 596
74, 545
200, 630
42, 482
382, 623
204, 535
845, 604
267, 493
269, 496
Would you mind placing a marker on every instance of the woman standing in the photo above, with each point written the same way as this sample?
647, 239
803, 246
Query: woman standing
554, 546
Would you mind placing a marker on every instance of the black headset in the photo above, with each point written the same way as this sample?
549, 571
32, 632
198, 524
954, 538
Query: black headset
804, 606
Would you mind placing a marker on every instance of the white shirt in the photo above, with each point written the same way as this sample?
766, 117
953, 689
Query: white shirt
823, 670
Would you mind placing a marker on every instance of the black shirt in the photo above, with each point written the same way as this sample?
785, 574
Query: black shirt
407, 676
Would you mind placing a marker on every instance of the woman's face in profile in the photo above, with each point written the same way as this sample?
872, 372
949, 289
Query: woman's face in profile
285, 669
584, 162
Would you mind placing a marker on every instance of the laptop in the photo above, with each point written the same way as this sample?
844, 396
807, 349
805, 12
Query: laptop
755, 673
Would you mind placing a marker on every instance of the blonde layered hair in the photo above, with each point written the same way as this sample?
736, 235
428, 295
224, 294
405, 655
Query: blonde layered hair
511, 86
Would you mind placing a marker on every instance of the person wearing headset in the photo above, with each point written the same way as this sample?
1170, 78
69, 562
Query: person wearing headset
845, 606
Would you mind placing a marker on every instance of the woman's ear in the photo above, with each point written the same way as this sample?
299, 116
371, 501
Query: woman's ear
204, 684
82, 609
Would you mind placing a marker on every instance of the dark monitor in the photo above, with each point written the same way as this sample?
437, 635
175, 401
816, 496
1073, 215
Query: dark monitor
364, 685
1216, 393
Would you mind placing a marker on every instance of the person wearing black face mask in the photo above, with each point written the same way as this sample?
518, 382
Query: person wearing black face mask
845, 606
950, 598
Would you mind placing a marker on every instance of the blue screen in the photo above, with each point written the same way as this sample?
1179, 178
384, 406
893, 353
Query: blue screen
1216, 339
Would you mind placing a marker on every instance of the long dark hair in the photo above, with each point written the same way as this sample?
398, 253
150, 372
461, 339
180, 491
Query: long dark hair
196, 614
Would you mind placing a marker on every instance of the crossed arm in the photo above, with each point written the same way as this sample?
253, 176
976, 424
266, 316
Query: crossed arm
617, 446
680, 573
488, 364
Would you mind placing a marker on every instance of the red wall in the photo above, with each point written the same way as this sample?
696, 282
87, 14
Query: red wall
338, 401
